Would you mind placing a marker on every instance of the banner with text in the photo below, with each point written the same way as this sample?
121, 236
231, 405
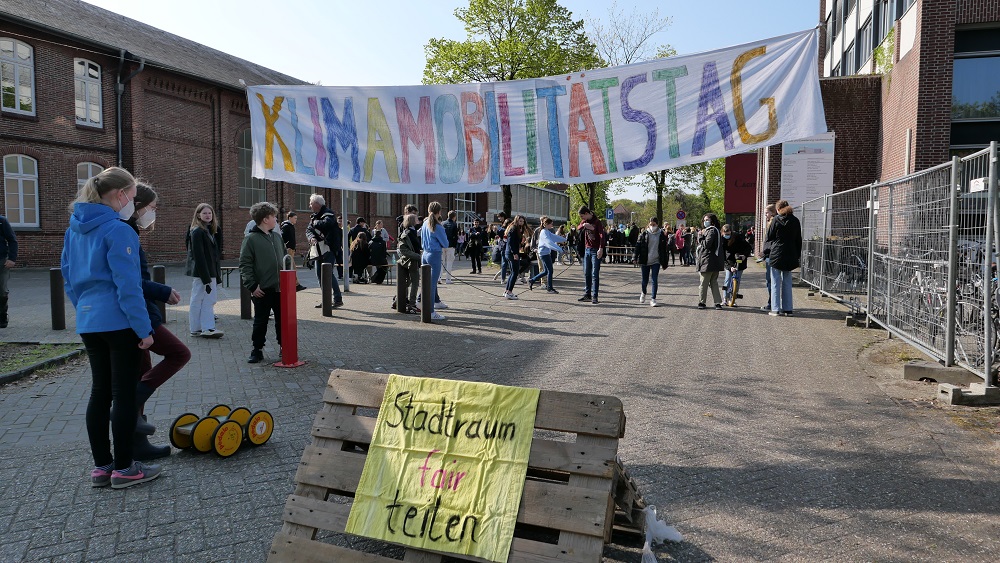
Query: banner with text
446, 466
583, 127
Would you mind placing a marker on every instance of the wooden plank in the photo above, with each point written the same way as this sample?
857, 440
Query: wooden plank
545, 454
301, 550
599, 415
602, 488
331, 469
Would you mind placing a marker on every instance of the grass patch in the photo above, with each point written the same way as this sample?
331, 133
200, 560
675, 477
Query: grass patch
17, 356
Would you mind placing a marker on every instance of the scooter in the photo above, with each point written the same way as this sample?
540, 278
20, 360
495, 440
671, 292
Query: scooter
733, 287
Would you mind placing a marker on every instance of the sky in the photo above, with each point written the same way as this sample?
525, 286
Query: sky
381, 42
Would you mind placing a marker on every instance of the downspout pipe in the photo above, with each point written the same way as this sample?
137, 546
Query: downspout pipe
119, 90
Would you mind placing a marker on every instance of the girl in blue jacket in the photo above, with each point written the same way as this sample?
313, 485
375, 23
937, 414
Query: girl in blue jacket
100, 268
434, 240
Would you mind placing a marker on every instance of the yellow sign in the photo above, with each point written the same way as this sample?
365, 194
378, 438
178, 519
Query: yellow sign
446, 466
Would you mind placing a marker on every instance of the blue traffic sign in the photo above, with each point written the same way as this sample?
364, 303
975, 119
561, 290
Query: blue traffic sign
609, 213
681, 215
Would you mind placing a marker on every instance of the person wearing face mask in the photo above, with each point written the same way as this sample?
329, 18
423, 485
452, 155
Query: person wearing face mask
651, 256
737, 251
174, 353
100, 268
710, 260
433, 240
203, 265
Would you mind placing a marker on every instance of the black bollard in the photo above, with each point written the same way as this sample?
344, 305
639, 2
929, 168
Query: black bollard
326, 288
402, 289
426, 293
160, 276
245, 301
57, 296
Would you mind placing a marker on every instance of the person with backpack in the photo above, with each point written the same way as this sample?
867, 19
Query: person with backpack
671, 244
651, 256
710, 260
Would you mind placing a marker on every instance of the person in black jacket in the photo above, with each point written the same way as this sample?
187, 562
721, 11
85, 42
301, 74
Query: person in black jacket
651, 255
323, 232
765, 253
8, 256
710, 260
450, 231
737, 251
203, 265
785, 236
475, 245
378, 256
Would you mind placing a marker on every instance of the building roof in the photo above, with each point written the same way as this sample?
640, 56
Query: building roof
107, 30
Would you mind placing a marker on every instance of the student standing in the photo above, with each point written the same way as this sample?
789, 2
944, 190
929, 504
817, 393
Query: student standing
651, 256
512, 253
260, 263
548, 249
785, 236
450, 231
737, 251
594, 243
409, 259
710, 260
100, 268
203, 265
477, 241
433, 240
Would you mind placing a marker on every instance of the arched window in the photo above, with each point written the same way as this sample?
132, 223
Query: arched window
20, 185
87, 82
17, 76
86, 171
251, 190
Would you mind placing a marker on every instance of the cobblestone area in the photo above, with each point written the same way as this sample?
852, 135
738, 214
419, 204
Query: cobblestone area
759, 438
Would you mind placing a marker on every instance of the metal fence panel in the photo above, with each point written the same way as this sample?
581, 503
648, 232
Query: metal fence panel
811, 217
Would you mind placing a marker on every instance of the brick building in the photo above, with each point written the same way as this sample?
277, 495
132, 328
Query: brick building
82, 89
907, 84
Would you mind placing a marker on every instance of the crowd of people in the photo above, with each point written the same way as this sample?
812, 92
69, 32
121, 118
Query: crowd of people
106, 276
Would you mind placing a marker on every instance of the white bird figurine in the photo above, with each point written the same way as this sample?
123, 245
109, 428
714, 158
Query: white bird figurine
656, 532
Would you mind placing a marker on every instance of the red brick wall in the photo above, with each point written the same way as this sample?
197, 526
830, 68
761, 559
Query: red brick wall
978, 11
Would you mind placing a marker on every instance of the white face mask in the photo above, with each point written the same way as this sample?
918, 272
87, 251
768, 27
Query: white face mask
126, 212
146, 219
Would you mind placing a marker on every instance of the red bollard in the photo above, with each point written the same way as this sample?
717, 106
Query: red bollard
289, 322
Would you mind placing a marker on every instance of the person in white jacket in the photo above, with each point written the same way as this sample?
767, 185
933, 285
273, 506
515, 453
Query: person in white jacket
548, 250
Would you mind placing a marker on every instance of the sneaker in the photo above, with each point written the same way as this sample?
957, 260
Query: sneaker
440, 305
788, 313
765, 307
473, 272
255, 356
435, 316
212, 333
584, 298
100, 476
195, 333
299, 287
137, 473
524, 280
642, 298
652, 302
718, 305
338, 304
510, 296
594, 300
773, 313
531, 285
701, 305
551, 291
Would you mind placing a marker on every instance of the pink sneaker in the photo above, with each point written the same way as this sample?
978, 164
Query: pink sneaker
100, 477
137, 473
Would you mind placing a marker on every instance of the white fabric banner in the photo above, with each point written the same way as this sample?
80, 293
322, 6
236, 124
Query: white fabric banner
583, 127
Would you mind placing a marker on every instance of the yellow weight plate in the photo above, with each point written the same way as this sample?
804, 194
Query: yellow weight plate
260, 427
227, 438
219, 410
240, 416
201, 436
181, 437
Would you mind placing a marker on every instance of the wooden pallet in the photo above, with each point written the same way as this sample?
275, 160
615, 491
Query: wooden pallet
567, 508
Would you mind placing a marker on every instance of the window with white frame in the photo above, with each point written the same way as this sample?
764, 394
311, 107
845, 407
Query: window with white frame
17, 76
302, 194
411, 199
20, 185
251, 190
383, 205
86, 171
351, 197
87, 82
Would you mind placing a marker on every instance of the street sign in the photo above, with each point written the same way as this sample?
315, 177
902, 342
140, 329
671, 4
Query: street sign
681, 215
609, 213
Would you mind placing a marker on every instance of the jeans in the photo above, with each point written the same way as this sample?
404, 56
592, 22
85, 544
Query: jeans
547, 261
515, 272
114, 365
262, 307
767, 280
781, 290
647, 272
201, 314
329, 258
449, 262
709, 280
434, 259
591, 271
504, 266
728, 284
174, 353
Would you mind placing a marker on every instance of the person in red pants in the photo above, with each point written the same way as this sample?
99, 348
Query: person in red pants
174, 353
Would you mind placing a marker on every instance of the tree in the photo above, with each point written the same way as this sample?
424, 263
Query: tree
713, 186
592, 194
625, 38
510, 40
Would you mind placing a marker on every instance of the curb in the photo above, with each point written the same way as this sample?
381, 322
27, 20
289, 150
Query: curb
28, 370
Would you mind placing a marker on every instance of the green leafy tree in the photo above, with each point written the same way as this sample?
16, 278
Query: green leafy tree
592, 194
713, 186
510, 40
